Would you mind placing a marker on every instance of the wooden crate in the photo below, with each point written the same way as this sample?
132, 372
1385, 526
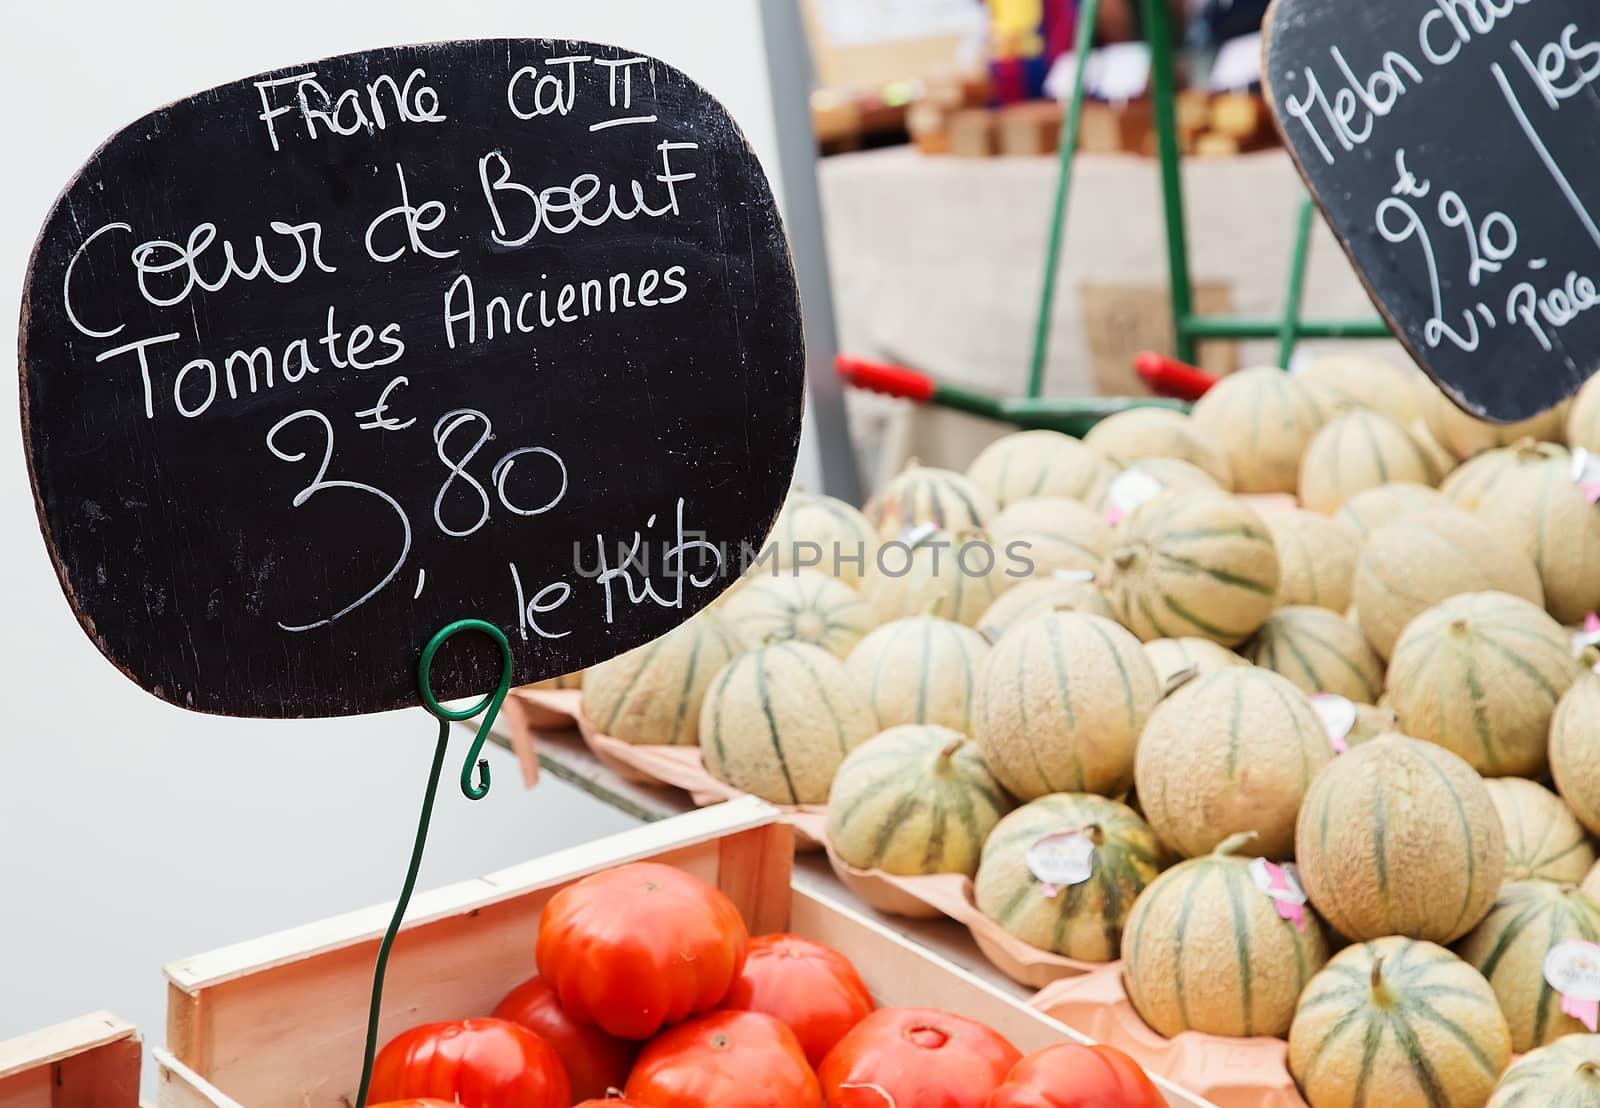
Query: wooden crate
90, 1062
280, 1020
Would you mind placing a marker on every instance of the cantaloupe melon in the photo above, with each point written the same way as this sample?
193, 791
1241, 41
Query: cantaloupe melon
1591, 882
962, 573
1060, 704
1053, 533
1464, 435
779, 720
1565, 1074
1399, 837
1544, 840
652, 694
1356, 452
924, 494
811, 523
1193, 564
1319, 651
1372, 722
800, 605
1575, 750
914, 800
1316, 558
1509, 948
1171, 657
1470, 482
1408, 566
1443, 461
1544, 509
1139, 433
1170, 474
1397, 1023
1583, 418
920, 670
1366, 512
1364, 381
1263, 419
1206, 950
1032, 599
1039, 463
1480, 674
1082, 920
1230, 752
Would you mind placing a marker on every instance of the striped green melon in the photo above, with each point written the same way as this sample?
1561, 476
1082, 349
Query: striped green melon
1029, 464
1480, 674
920, 670
1363, 381
924, 494
1408, 566
1205, 950
1544, 840
1060, 704
1575, 750
1231, 752
1372, 722
961, 574
652, 694
1316, 558
1082, 920
1443, 461
811, 524
1032, 599
1319, 651
1138, 434
1465, 436
1360, 451
1193, 564
803, 606
777, 721
1366, 512
1399, 837
914, 800
1263, 419
1544, 509
1565, 1074
1170, 657
1470, 482
1053, 533
1583, 418
1397, 1023
1509, 948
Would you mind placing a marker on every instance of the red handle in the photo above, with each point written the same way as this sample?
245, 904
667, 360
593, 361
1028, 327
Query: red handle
1169, 377
890, 380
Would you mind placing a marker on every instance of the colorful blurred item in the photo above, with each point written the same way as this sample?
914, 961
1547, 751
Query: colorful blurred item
1026, 37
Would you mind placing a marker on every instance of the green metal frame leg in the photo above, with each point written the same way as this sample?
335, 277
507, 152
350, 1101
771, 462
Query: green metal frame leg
1289, 334
1164, 94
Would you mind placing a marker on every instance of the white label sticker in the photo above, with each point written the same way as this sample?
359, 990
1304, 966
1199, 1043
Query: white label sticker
1573, 970
1061, 860
1085, 575
921, 533
1338, 716
1128, 491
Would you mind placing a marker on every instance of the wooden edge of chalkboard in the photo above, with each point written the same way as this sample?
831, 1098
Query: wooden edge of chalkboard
1394, 326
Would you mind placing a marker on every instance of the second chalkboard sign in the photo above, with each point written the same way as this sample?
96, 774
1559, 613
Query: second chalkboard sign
1451, 144
318, 361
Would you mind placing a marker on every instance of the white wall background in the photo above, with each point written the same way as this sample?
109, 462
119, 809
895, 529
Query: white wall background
132, 833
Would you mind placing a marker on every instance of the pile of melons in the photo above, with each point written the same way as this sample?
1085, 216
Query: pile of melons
1378, 677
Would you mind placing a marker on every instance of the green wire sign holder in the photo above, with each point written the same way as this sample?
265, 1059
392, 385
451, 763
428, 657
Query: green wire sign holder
315, 363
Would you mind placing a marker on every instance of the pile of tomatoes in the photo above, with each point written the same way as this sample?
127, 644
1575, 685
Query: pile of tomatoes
652, 994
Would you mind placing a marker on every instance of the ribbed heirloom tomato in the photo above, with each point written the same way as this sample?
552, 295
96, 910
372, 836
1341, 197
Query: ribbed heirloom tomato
1070, 1075
812, 988
594, 1061
486, 1063
916, 1057
639, 947
725, 1060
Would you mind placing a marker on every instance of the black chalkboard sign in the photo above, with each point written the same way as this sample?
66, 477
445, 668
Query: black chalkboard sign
1451, 145
318, 361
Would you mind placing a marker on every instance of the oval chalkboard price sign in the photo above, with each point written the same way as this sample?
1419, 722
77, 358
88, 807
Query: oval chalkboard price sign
1451, 145
319, 361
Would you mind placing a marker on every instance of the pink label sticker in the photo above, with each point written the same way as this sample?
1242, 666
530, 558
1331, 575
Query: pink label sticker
1131, 489
1338, 716
1061, 860
1585, 473
1573, 969
1282, 884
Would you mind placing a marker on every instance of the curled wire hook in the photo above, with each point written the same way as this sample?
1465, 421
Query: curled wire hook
489, 705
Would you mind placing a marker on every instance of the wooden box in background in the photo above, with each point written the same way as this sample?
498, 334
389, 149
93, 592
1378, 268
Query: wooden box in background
90, 1062
1122, 321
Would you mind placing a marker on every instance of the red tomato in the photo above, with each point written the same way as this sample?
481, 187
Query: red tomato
725, 1060
1069, 1075
812, 988
639, 947
613, 1102
916, 1056
424, 1102
594, 1061
483, 1063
